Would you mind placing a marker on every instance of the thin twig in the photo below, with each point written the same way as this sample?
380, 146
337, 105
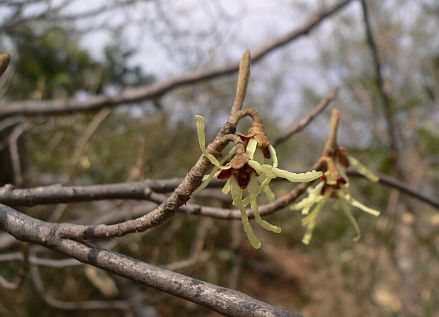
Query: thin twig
14, 153
74, 305
18, 256
331, 145
244, 76
405, 237
303, 123
385, 98
403, 188
23, 256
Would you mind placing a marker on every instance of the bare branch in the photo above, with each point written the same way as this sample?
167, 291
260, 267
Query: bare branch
220, 299
14, 153
385, 98
403, 188
302, 124
145, 190
17, 256
133, 95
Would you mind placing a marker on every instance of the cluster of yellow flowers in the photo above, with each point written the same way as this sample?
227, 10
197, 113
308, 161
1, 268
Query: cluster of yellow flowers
333, 185
249, 168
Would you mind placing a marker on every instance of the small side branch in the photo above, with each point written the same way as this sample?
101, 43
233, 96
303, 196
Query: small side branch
303, 123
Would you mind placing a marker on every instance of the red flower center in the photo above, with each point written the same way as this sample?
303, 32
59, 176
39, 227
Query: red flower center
242, 175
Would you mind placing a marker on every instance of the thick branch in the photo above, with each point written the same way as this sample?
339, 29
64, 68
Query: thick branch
133, 95
220, 299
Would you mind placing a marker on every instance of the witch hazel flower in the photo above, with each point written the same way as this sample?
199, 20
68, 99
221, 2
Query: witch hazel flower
334, 185
247, 173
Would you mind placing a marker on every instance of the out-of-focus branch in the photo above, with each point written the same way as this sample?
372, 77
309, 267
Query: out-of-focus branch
220, 299
15, 155
302, 124
145, 190
77, 305
54, 13
62, 263
22, 274
405, 251
385, 98
133, 95
401, 186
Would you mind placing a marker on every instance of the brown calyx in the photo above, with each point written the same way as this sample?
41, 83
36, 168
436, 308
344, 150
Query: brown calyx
239, 160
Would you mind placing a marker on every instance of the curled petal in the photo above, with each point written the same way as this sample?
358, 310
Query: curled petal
236, 192
208, 178
363, 169
253, 188
313, 198
273, 155
226, 187
202, 141
259, 157
310, 220
348, 198
268, 192
251, 148
347, 211
296, 177
256, 166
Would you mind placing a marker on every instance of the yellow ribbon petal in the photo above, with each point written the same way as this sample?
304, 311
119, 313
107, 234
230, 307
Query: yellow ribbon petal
236, 192
297, 177
253, 188
208, 178
202, 141
348, 198
363, 169
251, 148
273, 155
347, 211
313, 197
310, 220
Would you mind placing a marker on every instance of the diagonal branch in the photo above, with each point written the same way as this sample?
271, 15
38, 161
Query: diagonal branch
223, 300
302, 124
133, 95
182, 193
